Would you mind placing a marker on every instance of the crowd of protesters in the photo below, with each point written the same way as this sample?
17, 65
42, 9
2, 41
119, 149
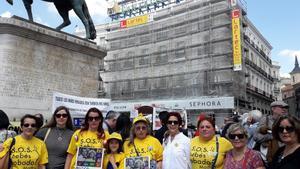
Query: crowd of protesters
256, 142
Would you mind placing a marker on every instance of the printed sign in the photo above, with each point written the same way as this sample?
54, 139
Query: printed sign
89, 158
137, 163
131, 22
77, 122
236, 40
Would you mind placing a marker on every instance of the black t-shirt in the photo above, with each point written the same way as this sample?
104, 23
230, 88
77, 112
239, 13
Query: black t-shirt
289, 162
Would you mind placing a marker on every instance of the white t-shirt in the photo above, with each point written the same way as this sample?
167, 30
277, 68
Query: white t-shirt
176, 154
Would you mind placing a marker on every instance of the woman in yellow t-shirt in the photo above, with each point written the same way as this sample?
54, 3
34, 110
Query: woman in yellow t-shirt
27, 151
114, 159
91, 135
208, 150
141, 144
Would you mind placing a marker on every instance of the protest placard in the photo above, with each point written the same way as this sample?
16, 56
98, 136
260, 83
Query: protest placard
137, 163
89, 158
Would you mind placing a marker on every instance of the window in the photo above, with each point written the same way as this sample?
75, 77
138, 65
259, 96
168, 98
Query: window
202, 50
162, 56
131, 42
126, 85
160, 83
178, 81
180, 50
127, 64
142, 84
145, 39
180, 30
144, 61
145, 51
162, 35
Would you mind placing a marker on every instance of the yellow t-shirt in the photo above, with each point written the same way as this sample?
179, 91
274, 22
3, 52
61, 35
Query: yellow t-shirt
26, 153
204, 152
85, 139
119, 158
149, 146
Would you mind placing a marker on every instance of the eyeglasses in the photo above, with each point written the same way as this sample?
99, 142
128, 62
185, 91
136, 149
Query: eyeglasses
97, 118
233, 136
27, 125
61, 115
288, 129
141, 128
173, 122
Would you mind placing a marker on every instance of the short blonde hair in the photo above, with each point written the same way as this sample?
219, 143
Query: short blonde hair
237, 127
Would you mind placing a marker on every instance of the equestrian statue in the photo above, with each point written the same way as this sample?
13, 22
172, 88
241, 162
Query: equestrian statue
63, 7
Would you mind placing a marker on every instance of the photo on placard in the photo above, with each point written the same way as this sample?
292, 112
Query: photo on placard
137, 163
89, 158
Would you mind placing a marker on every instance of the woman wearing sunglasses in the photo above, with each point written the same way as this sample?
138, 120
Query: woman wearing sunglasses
241, 157
57, 135
24, 150
142, 144
91, 135
176, 153
287, 130
208, 150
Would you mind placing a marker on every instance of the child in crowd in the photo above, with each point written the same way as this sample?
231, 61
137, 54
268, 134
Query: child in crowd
114, 158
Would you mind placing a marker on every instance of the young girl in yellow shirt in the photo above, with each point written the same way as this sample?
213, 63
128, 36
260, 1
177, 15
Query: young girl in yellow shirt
114, 159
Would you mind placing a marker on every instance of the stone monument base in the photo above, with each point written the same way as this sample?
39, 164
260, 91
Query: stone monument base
36, 60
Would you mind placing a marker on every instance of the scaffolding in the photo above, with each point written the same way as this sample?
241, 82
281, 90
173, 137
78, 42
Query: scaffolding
184, 52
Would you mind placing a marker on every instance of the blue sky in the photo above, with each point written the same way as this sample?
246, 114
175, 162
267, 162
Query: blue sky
278, 22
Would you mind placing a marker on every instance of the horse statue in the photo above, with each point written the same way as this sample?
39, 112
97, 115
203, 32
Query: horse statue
63, 7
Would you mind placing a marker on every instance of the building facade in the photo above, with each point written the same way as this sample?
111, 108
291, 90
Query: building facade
185, 51
291, 92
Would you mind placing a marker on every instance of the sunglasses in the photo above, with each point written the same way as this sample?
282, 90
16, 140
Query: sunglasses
288, 129
27, 125
141, 128
97, 118
175, 122
61, 115
233, 136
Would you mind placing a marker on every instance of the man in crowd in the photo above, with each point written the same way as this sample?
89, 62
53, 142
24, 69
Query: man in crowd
159, 134
110, 121
263, 137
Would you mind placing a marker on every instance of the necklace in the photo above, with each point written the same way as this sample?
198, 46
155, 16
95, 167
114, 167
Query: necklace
60, 133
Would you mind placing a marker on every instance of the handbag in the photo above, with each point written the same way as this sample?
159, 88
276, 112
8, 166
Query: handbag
8, 161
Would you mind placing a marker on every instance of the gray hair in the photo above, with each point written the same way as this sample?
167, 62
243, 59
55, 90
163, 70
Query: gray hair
256, 115
237, 127
112, 114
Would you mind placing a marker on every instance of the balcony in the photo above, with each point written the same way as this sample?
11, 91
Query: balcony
254, 46
258, 69
246, 38
258, 92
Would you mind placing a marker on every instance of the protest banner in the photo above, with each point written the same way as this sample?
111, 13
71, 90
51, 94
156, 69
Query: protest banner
78, 106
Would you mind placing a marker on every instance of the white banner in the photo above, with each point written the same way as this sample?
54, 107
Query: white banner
78, 106
203, 103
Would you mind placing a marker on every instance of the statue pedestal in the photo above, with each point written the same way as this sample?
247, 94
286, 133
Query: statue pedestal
36, 60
